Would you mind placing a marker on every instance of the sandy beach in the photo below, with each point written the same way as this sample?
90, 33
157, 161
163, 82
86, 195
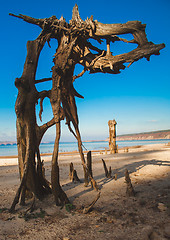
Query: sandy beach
114, 216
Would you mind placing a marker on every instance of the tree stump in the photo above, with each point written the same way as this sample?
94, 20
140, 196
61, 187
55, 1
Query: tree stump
129, 190
73, 174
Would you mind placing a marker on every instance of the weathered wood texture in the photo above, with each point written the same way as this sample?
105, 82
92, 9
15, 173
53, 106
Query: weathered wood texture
112, 136
74, 47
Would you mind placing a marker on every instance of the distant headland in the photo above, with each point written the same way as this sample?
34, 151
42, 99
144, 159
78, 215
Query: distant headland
163, 134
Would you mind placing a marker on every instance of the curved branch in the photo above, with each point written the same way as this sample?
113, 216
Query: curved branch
44, 94
113, 64
136, 28
79, 75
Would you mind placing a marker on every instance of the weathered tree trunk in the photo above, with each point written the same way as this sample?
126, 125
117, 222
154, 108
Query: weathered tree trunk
27, 139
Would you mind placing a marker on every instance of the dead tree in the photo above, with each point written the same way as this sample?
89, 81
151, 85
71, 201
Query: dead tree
74, 47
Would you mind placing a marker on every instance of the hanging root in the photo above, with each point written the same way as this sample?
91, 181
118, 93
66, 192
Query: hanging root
89, 208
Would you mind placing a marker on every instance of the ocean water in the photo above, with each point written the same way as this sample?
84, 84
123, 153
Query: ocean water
10, 150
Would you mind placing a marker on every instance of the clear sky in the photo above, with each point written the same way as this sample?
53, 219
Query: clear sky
138, 98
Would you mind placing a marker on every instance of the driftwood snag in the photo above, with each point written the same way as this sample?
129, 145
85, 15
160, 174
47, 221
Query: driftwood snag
74, 47
129, 190
90, 206
105, 168
108, 174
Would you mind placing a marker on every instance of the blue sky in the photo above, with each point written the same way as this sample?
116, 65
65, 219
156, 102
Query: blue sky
138, 98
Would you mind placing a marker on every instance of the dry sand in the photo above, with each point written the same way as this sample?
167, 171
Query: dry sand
115, 216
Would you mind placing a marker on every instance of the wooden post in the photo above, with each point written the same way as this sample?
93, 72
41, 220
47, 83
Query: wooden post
71, 170
112, 136
89, 163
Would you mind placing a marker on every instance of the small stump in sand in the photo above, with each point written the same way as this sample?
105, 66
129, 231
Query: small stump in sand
129, 191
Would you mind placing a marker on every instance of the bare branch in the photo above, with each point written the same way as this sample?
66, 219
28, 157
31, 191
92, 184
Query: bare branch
94, 48
43, 128
79, 75
38, 22
41, 108
71, 130
44, 94
43, 80
105, 63
116, 38
136, 28
95, 59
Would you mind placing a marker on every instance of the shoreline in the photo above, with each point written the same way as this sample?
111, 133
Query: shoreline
93, 151
77, 152
13, 160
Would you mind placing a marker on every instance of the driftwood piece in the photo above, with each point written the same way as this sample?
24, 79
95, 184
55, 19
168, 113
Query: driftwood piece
89, 208
129, 190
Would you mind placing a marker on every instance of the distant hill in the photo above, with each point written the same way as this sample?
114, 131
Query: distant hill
164, 134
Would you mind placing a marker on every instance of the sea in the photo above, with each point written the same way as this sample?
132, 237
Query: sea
11, 150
